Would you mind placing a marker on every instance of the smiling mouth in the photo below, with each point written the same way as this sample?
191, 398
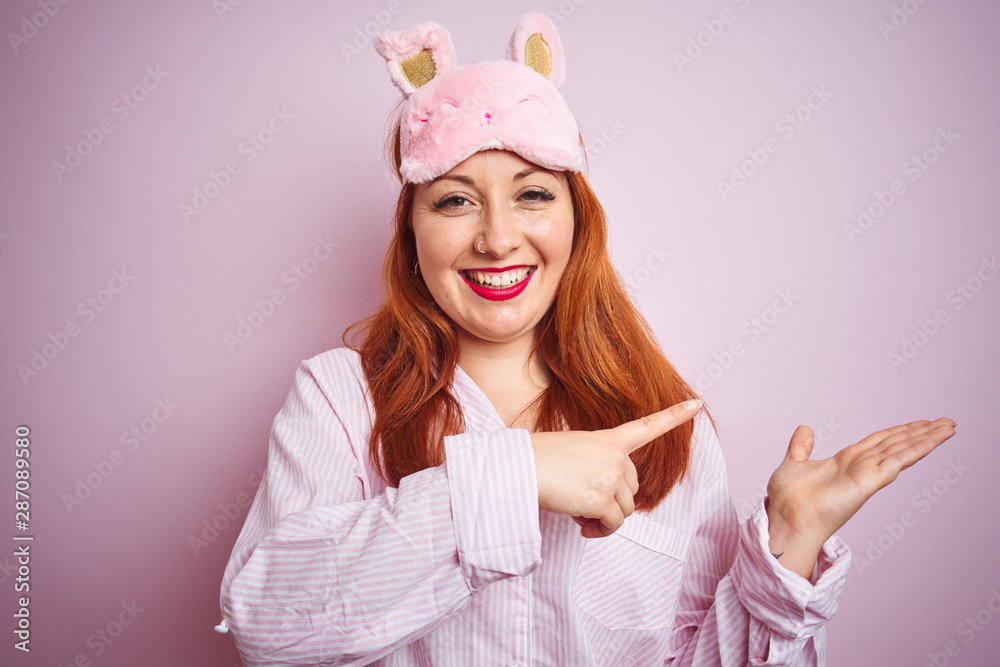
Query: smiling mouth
498, 280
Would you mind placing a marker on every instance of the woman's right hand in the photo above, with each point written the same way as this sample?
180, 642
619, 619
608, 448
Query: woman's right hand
589, 475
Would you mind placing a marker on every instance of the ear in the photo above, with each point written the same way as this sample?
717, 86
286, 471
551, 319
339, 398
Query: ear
536, 43
416, 56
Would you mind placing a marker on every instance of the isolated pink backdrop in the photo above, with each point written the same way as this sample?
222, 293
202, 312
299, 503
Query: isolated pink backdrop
776, 311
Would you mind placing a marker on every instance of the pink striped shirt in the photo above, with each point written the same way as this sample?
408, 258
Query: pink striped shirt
458, 566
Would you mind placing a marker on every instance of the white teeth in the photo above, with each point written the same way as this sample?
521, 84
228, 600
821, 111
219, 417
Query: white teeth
504, 279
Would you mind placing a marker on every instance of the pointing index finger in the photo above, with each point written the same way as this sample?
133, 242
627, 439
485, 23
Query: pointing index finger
637, 433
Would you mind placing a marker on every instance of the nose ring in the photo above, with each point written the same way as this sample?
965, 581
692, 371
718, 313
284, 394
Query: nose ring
480, 247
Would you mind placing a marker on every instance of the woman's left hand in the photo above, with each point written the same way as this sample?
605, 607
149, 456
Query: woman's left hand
808, 501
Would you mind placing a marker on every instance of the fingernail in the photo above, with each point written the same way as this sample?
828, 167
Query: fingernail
693, 404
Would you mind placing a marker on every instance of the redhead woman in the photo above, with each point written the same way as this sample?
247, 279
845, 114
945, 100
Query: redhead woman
504, 468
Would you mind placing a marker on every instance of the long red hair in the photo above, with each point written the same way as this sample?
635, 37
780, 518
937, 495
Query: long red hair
606, 365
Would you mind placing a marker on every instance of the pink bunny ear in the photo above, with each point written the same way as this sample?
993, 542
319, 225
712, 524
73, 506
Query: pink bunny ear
536, 43
416, 56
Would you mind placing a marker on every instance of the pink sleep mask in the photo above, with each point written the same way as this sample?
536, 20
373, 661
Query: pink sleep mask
454, 111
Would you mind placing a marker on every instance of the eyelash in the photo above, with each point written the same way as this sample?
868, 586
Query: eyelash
543, 195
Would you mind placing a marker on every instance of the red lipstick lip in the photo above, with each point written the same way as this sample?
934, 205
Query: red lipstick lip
506, 268
497, 294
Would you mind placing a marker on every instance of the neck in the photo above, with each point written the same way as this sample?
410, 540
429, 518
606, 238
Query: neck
479, 357
507, 373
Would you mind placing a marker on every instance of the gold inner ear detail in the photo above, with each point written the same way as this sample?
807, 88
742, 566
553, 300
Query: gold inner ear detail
537, 55
418, 69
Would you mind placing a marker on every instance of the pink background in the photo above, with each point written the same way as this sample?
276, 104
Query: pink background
662, 134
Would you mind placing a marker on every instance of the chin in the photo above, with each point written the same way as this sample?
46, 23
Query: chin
500, 334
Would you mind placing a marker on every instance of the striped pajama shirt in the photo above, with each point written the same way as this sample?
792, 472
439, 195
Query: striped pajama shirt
458, 566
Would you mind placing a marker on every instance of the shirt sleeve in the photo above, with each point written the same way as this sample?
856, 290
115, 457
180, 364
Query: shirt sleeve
738, 605
326, 570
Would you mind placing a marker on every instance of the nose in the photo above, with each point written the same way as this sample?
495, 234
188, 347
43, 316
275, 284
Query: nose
501, 232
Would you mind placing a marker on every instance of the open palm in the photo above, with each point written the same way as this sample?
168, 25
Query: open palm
810, 500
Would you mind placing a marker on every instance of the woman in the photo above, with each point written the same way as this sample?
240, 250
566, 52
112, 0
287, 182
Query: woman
428, 492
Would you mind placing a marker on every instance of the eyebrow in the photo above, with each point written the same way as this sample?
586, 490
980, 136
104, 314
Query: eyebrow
470, 181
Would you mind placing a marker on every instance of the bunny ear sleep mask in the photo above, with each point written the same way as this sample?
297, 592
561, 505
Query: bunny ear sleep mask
452, 111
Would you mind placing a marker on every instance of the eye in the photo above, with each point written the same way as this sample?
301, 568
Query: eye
537, 195
451, 202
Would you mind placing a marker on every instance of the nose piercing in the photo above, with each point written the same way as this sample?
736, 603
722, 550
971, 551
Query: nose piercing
480, 247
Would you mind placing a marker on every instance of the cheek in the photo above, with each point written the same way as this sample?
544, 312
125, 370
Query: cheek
561, 237
438, 245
